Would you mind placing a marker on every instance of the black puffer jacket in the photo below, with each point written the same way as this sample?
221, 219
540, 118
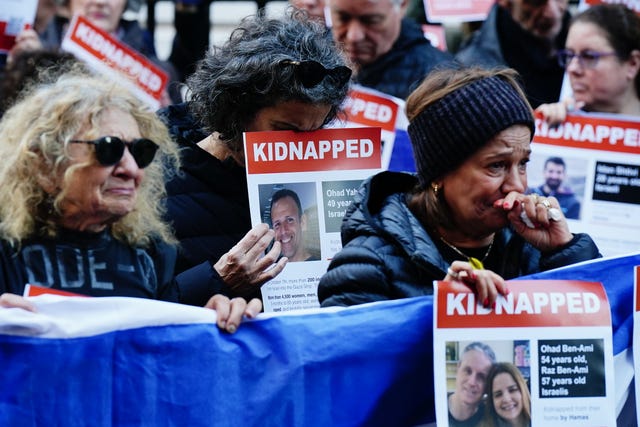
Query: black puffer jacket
207, 204
387, 254
401, 69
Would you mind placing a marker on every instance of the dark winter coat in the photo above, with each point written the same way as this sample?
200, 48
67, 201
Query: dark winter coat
400, 70
207, 203
387, 254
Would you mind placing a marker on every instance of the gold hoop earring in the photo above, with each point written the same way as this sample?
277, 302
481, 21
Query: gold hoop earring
436, 189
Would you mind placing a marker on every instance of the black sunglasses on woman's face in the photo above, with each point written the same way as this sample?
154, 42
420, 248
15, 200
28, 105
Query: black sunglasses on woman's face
110, 149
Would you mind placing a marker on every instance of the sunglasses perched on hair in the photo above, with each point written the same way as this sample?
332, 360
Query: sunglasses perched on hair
586, 58
110, 149
311, 73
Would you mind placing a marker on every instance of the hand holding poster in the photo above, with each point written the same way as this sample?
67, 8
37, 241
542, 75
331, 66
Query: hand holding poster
560, 381
301, 184
15, 16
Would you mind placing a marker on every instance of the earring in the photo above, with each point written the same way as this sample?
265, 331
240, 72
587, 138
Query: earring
435, 188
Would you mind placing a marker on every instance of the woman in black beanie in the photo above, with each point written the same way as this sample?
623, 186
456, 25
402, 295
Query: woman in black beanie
465, 216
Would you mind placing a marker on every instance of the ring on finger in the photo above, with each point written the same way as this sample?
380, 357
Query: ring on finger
545, 203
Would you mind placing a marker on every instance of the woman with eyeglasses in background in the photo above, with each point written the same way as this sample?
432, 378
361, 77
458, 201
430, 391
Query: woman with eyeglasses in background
271, 74
82, 174
602, 59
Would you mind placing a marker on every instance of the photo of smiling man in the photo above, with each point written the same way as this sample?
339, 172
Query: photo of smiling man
292, 222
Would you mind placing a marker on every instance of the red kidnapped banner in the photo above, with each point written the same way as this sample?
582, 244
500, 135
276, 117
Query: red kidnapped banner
99, 48
529, 303
324, 149
592, 132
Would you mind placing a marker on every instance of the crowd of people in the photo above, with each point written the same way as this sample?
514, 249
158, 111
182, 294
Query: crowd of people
102, 197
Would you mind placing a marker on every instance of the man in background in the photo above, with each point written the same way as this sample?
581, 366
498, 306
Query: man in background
389, 53
524, 35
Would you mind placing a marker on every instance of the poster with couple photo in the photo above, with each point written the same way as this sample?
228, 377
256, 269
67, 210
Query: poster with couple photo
541, 356
488, 381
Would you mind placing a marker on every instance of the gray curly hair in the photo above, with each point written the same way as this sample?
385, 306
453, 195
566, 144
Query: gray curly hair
235, 81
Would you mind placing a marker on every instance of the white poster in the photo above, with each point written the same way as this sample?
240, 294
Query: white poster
301, 184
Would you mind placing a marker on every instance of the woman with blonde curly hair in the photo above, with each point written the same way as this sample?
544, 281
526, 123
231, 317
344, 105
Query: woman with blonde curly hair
82, 182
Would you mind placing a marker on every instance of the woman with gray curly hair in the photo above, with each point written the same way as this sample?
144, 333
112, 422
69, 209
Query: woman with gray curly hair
82, 173
271, 74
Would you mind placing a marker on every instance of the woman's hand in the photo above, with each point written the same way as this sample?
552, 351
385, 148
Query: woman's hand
231, 312
556, 113
27, 40
538, 219
485, 283
244, 267
16, 301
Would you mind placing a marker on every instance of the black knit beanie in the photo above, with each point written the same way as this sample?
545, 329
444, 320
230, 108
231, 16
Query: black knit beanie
453, 128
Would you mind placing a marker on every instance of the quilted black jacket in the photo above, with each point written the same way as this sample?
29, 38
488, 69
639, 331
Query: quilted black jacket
401, 69
387, 254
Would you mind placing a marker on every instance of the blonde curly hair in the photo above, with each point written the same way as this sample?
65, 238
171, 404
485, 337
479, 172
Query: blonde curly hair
34, 140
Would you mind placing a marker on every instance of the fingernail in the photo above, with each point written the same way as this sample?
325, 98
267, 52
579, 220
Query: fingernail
486, 302
516, 203
506, 205
232, 328
507, 291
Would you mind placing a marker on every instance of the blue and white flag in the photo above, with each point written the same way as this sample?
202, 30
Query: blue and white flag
134, 362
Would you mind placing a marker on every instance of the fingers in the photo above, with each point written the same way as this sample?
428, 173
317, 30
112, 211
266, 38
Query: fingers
486, 284
259, 233
530, 211
270, 257
16, 301
26, 40
271, 272
254, 307
231, 312
250, 250
554, 113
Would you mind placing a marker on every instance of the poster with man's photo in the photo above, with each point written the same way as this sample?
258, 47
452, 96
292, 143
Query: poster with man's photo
301, 184
591, 164
542, 356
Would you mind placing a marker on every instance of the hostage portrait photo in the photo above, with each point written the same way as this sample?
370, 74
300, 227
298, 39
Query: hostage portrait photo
291, 210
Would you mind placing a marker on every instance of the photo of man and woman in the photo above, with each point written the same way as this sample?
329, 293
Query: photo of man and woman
488, 383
